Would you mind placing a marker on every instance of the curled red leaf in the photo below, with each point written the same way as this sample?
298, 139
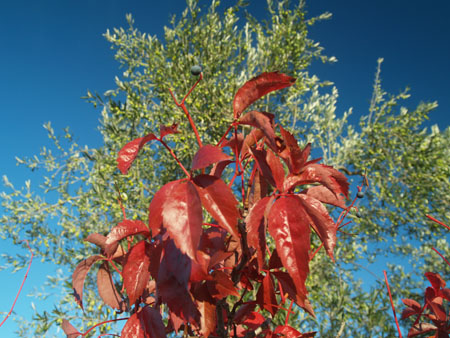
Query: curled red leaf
257, 87
107, 290
129, 152
79, 275
122, 230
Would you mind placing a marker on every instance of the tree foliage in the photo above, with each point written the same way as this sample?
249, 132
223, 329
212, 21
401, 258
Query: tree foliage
407, 165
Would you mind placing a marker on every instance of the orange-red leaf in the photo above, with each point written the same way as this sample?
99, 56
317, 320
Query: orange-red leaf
289, 226
182, 217
69, 329
107, 290
122, 230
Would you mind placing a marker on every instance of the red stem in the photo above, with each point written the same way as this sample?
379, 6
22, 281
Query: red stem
225, 135
105, 322
289, 312
21, 286
183, 106
446, 261
438, 222
176, 158
392, 304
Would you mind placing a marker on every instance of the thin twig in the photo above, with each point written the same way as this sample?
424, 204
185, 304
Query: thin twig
392, 304
23, 282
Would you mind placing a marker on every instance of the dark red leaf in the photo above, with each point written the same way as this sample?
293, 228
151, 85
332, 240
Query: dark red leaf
262, 121
319, 173
133, 328
291, 153
244, 311
288, 287
182, 217
218, 199
219, 167
287, 331
122, 230
320, 221
257, 87
276, 168
155, 208
437, 309
263, 167
107, 290
445, 293
436, 280
130, 151
289, 226
79, 275
325, 195
136, 271
407, 312
152, 321
256, 228
221, 285
412, 304
275, 261
250, 140
266, 295
167, 130
207, 155
172, 283
69, 329
258, 189
236, 140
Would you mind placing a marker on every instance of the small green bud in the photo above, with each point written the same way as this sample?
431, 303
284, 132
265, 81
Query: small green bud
196, 70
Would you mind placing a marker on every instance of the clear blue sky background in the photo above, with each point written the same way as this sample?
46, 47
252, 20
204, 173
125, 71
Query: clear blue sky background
53, 51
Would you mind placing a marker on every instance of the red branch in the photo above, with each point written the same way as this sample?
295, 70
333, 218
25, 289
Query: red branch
392, 304
21, 286
446, 261
438, 222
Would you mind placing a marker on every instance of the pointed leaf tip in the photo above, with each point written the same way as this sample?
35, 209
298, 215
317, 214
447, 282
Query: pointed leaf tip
207, 155
129, 152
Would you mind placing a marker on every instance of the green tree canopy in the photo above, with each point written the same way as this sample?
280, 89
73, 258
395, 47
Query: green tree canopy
407, 165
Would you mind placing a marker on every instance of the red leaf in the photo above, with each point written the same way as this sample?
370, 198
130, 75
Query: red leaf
136, 271
207, 155
244, 311
221, 285
288, 287
152, 322
258, 190
122, 230
266, 295
155, 208
436, 280
250, 140
200, 267
288, 225
218, 199
79, 275
263, 167
236, 140
257, 87
275, 262
167, 130
326, 175
256, 228
254, 320
69, 329
133, 328
320, 221
207, 307
172, 283
97, 239
294, 157
287, 331
276, 168
182, 217
107, 290
262, 121
421, 328
219, 167
412, 304
325, 195
130, 151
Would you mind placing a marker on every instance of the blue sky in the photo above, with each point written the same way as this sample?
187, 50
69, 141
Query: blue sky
54, 51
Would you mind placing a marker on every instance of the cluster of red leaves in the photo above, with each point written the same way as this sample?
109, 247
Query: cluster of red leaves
433, 308
205, 273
